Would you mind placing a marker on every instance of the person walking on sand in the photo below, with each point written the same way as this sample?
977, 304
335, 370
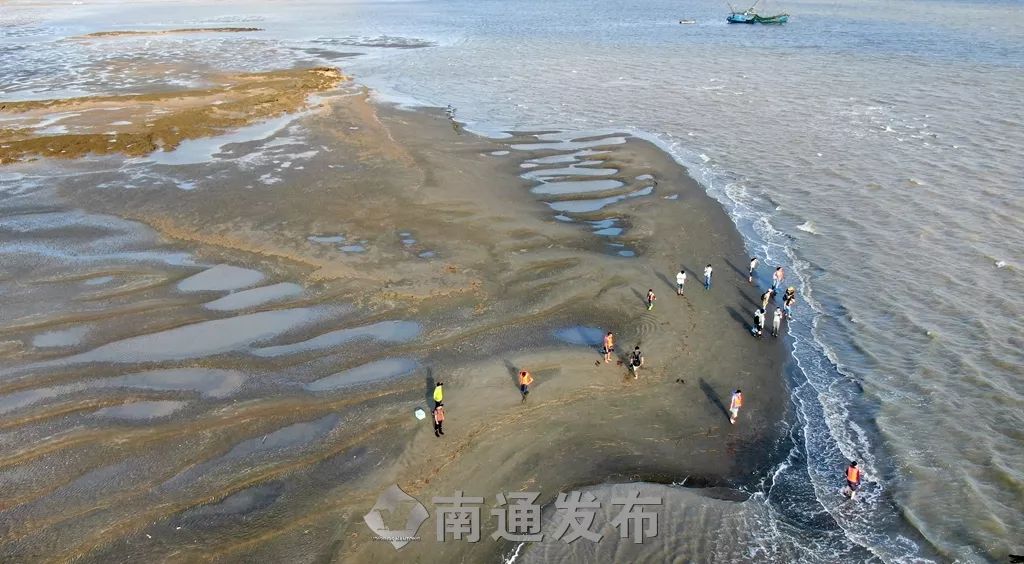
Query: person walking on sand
735, 403
766, 298
525, 379
707, 277
776, 322
609, 347
438, 393
778, 277
852, 480
650, 299
680, 281
788, 300
438, 419
750, 273
636, 360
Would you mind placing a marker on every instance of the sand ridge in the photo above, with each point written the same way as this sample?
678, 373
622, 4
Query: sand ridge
139, 124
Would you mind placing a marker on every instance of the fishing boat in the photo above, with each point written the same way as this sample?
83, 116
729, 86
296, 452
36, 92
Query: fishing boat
750, 16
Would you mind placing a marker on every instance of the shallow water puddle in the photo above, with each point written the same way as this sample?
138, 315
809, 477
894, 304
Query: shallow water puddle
291, 438
607, 227
195, 151
371, 372
407, 238
326, 239
198, 340
221, 278
580, 335
576, 187
569, 145
580, 170
62, 338
297, 434
17, 400
255, 297
209, 382
142, 410
584, 206
245, 501
569, 158
98, 281
385, 331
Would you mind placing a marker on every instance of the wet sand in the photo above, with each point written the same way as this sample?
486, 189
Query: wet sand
174, 427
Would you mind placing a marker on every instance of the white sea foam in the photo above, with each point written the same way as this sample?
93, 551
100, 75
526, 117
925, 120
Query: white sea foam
808, 227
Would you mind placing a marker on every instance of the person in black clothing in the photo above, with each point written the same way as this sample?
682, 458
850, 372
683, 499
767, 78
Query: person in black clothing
636, 360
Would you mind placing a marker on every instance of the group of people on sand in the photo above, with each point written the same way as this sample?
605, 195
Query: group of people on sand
635, 360
525, 379
768, 297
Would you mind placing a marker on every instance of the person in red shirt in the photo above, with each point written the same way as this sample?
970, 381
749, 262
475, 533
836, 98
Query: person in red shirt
438, 419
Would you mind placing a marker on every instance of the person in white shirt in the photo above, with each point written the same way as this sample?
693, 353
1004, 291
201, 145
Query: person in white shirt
680, 280
753, 265
707, 277
776, 322
758, 327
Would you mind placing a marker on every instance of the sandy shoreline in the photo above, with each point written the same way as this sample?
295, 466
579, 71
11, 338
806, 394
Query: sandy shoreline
452, 241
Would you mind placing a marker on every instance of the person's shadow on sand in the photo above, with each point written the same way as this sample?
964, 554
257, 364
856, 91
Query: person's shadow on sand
668, 281
738, 270
429, 395
746, 297
713, 397
739, 317
513, 372
639, 296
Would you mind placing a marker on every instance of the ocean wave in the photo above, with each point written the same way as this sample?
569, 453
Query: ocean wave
807, 226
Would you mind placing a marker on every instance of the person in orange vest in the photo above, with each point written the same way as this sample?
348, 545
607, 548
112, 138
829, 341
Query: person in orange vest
525, 379
734, 406
609, 347
438, 419
852, 480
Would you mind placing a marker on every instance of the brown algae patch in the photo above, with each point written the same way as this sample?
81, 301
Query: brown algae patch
138, 124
